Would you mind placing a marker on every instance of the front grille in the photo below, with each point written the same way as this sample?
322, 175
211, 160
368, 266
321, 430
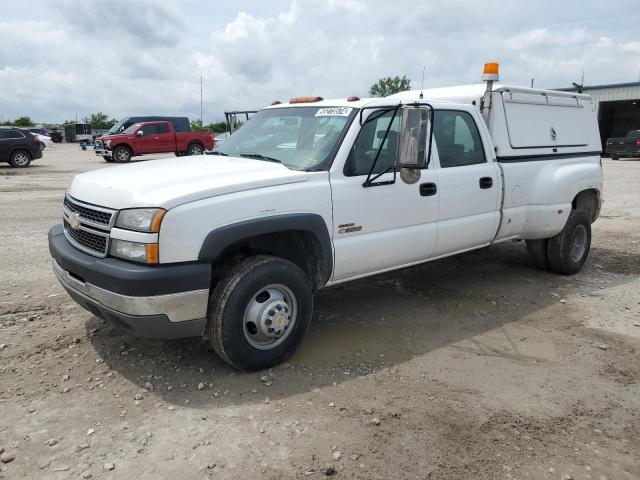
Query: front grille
91, 241
95, 215
93, 226
98, 143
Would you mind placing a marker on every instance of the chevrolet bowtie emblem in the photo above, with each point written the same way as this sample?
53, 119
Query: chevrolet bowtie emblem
74, 220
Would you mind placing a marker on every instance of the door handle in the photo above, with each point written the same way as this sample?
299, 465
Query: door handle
428, 189
486, 182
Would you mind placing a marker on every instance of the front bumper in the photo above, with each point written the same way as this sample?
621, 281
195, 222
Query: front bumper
163, 301
103, 152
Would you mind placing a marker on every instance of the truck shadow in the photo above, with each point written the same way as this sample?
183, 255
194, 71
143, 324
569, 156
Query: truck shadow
371, 324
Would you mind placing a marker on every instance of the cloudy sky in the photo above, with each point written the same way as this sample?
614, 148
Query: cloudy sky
59, 58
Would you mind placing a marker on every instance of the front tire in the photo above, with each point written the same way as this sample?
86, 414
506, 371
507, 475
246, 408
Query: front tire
195, 149
122, 154
259, 312
20, 159
568, 250
108, 159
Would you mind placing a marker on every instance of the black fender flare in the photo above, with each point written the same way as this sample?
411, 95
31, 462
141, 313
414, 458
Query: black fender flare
219, 239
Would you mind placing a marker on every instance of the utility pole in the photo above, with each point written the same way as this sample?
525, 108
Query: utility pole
201, 122
532, 80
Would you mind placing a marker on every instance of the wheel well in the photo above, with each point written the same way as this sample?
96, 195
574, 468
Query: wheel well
21, 149
589, 202
123, 145
300, 247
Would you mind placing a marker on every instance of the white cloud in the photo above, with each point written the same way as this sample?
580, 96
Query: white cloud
147, 56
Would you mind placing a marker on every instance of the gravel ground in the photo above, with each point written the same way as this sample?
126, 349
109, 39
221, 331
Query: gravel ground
473, 367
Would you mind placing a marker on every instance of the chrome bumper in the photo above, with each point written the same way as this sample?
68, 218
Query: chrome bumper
177, 307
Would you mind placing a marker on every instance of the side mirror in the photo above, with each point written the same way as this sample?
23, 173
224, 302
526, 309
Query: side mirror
414, 137
140, 133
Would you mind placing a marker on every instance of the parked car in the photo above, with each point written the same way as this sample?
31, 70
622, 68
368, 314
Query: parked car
235, 246
152, 137
44, 140
18, 147
627, 146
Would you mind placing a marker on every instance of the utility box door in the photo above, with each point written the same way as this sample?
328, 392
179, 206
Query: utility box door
537, 120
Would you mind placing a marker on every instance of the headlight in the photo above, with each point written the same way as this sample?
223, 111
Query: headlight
137, 252
141, 219
107, 143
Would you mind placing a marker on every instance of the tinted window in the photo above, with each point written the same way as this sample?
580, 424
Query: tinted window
457, 139
10, 134
364, 149
149, 129
162, 128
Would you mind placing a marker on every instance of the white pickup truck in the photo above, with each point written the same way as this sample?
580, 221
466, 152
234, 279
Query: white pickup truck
316, 192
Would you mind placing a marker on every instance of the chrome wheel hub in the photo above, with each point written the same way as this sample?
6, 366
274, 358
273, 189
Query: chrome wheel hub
269, 317
578, 245
21, 159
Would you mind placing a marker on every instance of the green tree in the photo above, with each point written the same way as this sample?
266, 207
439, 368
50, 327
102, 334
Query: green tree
23, 122
196, 125
218, 127
390, 85
100, 120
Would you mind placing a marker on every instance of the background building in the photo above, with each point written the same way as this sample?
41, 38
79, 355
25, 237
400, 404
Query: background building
618, 107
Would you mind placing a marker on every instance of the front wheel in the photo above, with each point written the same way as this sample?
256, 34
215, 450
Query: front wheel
568, 250
259, 312
107, 158
194, 149
122, 154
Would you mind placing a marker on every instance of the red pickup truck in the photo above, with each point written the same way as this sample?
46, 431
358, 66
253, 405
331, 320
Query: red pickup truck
152, 137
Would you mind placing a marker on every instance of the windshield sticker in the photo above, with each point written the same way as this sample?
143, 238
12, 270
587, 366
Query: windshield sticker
334, 112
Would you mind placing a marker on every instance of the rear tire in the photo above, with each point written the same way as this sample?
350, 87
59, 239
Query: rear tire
20, 159
568, 250
259, 312
194, 149
537, 250
122, 154
614, 156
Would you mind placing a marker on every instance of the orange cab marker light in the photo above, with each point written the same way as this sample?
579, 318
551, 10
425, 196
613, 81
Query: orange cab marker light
353, 98
152, 253
306, 99
157, 220
276, 102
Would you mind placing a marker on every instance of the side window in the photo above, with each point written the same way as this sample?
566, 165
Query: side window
364, 149
149, 130
10, 134
457, 139
162, 128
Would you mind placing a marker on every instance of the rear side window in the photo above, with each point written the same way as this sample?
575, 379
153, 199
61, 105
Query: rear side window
162, 128
10, 134
457, 139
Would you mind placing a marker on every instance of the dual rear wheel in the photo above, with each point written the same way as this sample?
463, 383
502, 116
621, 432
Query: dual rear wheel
567, 251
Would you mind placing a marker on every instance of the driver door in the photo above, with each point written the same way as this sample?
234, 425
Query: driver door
386, 226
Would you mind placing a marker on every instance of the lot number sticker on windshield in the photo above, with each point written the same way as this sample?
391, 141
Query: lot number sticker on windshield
334, 112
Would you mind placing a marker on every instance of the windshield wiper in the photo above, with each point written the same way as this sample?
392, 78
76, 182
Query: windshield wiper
218, 153
259, 156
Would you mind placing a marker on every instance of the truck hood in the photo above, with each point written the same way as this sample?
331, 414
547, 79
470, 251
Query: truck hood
169, 182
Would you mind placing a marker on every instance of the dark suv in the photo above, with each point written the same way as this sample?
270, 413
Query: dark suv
18, 147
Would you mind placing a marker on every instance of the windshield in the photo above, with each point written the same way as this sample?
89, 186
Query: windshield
132, 128
117, 128
299, 137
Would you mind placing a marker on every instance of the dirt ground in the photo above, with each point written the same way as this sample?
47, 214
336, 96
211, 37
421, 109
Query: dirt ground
473, 367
